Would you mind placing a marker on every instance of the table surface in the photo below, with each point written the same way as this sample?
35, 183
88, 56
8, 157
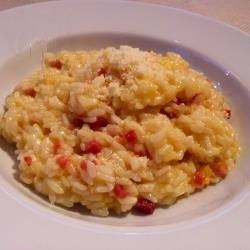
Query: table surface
234, 12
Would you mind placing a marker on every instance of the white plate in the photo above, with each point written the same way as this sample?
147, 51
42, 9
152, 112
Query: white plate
206, 220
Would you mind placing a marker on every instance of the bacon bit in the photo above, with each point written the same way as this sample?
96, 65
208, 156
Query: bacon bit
144, 153
148, 155
30, 92
163, 112
220, 169
227, 113
93, 147
77, 122
99, 123
144, 206
131, 136
56, 147
180, 100
140, 153
63, 161
94, 161
56, 64
83, 165
120, 191
170, 115
199, 179
194, 97
119, 138
102, 71
28, 160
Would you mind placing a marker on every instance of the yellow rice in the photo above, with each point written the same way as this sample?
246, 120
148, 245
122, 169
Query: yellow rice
176, 113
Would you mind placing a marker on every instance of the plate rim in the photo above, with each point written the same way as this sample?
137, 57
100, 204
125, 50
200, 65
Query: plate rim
141, 4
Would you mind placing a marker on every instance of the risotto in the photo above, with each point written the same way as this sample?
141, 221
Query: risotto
118, 129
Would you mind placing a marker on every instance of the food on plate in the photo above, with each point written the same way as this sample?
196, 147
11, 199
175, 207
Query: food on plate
119, 129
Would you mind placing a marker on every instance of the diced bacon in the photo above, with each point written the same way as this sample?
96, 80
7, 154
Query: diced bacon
102, 71
199, 179
56, 64
83, 165
144, 206
227, 113
56, 147
63, 161
120, 191
93, 147
77, 122
143, 153
94, 161
99, 123
140, 153
28, 160
179, 100
131, 136
183, 100
30, 92
194, 97
170, 115
220, 169
147, 154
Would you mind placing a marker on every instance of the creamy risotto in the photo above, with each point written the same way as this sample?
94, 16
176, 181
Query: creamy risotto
118, 129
